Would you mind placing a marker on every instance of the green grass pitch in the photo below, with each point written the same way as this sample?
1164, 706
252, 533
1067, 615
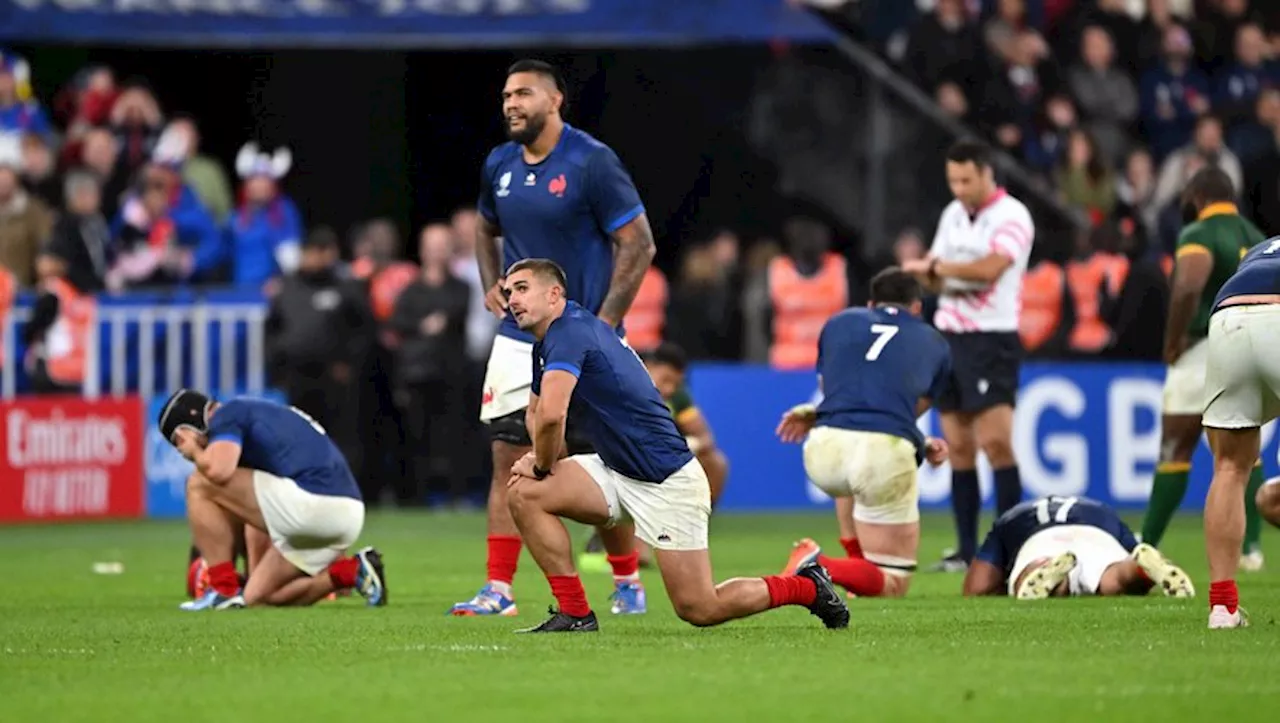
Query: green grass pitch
78, 646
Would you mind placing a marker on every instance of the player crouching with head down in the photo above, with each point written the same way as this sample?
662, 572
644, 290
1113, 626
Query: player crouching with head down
642, 470
274, 470
1069, 546
878, 368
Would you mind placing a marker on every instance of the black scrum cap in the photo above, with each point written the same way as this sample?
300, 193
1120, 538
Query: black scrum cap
186, 407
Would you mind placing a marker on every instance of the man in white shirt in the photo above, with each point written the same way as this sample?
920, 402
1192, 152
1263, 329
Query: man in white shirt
976, 265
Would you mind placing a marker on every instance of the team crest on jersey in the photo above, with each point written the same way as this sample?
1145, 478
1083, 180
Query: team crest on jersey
558, 185
531, 179
503, 183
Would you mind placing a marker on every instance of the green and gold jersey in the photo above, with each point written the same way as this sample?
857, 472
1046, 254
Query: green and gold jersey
681, 405
1226, 236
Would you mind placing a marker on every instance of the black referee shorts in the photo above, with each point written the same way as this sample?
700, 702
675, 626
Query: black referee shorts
984, 371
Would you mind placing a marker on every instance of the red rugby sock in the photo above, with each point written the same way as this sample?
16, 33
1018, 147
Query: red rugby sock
1223, 592
570, 595
504, 554
790, 590
851, 546
223, 578
343, 572
858, 576
625, 567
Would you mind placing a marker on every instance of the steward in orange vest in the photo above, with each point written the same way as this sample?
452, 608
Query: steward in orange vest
1096, 282
648, 315
801, 306
60, 329
1047, 317
8, 289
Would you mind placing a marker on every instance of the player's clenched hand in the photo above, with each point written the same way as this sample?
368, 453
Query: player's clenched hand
523, 466
935, 451
496, 301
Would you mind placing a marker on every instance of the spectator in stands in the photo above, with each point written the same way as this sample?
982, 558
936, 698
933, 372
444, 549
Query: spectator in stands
1239, 84
164, 234
18, 114
38, 170
1208, 144
99, 151
318, 333
1096, 276
84, 105
1173, 95
1014, 96
1046, 141
136, 122
1136, 190
79, 248
25, 221
1160, 16
266, 230
1106, 94
944, 45
204, 174
481, 325
1216, 30
806, 287
1085, 179
1138, 315
952, 100
1253, 138
1111, 16
704, 313
1262, 178
430, 319
1002, 28
755, 300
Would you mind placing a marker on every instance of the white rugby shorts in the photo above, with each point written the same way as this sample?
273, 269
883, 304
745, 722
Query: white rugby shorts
1242, 378
668, 516
507, 378
311, 531
1184, 382
1095, 551
877, 470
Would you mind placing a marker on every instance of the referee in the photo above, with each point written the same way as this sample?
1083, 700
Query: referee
976, 265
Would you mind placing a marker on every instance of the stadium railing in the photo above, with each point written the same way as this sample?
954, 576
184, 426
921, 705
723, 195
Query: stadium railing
151, 343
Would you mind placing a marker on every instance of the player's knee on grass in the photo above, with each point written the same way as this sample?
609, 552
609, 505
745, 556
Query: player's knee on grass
697, 607
1268, 499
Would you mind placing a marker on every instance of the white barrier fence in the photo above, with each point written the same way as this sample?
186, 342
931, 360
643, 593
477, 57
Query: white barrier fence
137, 333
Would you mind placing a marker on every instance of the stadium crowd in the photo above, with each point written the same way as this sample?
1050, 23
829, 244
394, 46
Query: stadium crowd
1111, 104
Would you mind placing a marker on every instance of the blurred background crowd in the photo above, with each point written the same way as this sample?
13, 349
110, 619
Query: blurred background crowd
377, 328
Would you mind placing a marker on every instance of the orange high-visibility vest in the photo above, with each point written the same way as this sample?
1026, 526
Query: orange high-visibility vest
801, 306
386, 285
648, 315
1085, 278
1043, 289
8, 288
67, 341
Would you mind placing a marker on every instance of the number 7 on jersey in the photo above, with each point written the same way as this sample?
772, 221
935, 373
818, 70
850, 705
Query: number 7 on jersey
883, 332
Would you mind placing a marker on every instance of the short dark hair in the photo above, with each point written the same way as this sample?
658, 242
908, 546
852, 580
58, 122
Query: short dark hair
668, 354
546, 268
539, 67
1209, 185
894, 286
969, 151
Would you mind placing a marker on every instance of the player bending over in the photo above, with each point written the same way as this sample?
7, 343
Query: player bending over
1060, 546
1209, 251
1242, 389
271, 468
552, 192
878, 369
666, 366
642, 470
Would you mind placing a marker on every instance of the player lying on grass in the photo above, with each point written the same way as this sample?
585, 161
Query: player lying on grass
642, 470
878, 369
666, 366
272, 468
1062, 546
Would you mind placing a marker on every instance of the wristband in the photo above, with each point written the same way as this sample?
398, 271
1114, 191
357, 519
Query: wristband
539, 473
